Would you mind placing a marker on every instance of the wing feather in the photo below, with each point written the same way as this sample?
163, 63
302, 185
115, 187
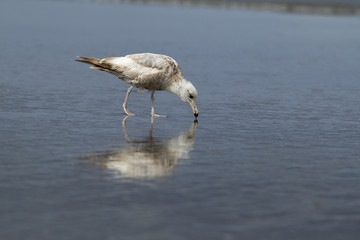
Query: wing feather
151, 60
143, 70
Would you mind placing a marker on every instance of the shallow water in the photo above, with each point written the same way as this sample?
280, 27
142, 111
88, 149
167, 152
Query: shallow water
275, 153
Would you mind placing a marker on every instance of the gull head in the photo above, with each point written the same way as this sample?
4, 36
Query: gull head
188, 93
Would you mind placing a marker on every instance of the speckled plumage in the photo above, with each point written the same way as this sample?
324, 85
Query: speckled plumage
150, 71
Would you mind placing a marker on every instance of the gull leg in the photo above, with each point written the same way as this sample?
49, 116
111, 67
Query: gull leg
126, 100
153, 107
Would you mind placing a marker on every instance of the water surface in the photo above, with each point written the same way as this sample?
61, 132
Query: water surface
275, 153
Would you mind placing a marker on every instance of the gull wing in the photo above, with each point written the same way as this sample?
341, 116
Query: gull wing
144, 70
158, 61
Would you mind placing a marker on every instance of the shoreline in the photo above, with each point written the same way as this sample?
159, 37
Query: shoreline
306, 8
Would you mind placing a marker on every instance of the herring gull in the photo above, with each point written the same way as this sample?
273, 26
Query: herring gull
154, 72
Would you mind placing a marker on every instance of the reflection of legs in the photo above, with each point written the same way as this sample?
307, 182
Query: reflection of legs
126, 100
153, 106
125, 129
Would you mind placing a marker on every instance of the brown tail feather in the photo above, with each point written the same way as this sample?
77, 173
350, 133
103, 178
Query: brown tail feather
89, 60
102, 69
96, 64
83, 61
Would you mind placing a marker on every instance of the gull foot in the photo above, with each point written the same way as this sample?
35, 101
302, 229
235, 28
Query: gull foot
128, 112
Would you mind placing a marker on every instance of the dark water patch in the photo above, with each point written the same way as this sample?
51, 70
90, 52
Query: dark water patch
333, 7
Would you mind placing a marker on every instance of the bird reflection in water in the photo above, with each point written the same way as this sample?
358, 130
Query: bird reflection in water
148, 157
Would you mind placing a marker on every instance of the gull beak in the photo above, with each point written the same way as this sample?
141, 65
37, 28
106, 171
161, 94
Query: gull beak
194, 109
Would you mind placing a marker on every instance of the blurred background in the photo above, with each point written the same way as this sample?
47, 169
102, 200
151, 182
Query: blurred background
275, 152
304, 6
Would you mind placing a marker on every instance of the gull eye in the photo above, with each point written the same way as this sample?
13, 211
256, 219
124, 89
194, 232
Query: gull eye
191, 96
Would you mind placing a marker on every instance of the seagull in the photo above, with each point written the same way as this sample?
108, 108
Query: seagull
155, 72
